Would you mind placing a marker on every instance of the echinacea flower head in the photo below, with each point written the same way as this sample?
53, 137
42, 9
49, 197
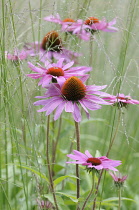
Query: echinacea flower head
91, 162
94, 24
56, 72
120, 100
69, 95
118, 179
51, 48
44, 204
18, 55
66, 23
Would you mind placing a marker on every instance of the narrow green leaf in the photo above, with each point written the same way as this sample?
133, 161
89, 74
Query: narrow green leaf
36, 172
60, 179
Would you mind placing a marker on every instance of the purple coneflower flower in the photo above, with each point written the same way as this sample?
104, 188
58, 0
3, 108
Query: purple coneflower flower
51, 47
66, 23
44, 204
121, 100
17, 55
90, 162
56, 72
95, 24
69, 95
118, 179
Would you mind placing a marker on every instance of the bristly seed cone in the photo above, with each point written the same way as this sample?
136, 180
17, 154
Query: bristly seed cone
91, 20
55, 71
73, 89
52, 41
94, 161
69, 20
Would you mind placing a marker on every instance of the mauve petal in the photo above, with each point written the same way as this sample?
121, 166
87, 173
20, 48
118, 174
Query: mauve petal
41, 102
88, 154
80, 154
97, 100
34, 68
60, 62
60, 80
111, 168
53, 106
69, 106
86, 111
59, 110
50, 102
76, 113
94, 87
99, 167
68, 65
77, 162
34, 76
76, 157
46, 80
84, 78
90, 105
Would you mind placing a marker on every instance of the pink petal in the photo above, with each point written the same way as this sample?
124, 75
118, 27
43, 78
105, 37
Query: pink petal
53, 105
77, 114
34, 68
59, 110
68, 65
69, 106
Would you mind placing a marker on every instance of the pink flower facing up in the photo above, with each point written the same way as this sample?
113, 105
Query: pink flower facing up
17, 55
91, 162
121, 100
51, 47
56, 72
118, 179
69, 95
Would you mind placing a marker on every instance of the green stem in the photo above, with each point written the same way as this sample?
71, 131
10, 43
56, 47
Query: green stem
112, 140
78, 149
119, 202
48, 163
94, 203
86, 200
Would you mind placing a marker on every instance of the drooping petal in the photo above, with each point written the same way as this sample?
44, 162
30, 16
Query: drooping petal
69, 106
59, 110
77, 113
54, 105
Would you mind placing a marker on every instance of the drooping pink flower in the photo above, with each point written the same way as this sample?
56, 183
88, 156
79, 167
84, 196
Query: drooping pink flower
100, 25
121, 100
89, 161
57, 72
44, 204
51, 47
118, 179
17, 55
69, 95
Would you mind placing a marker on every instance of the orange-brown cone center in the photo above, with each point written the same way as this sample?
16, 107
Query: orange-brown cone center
94, 161
73, 89
69, 20
55, 71
52, 41
91, 20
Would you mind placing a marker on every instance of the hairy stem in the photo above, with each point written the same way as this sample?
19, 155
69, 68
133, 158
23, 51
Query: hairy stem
48, 163
86, 200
